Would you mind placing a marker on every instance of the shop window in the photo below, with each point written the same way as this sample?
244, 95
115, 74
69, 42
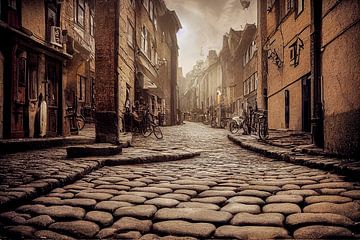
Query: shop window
79, 12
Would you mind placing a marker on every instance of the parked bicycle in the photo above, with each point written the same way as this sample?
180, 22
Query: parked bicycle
224, 121
150, 125
256, 122
77, 121
236, 124
144, 123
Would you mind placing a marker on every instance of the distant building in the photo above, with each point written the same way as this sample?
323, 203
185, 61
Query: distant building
48, 53
238, 59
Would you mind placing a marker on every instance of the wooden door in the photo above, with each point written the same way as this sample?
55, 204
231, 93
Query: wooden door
52, 96
18, 91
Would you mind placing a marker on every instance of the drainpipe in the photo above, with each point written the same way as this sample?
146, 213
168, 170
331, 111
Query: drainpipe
317, 124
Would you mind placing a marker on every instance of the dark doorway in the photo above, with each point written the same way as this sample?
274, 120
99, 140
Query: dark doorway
306, 104
287, 108
53, 97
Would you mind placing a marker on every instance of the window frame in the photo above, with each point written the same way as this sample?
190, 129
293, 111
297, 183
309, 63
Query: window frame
92, 23
83, 8
130, 38
82, 88
297, 7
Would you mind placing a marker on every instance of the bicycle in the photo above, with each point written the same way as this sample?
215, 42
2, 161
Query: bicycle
224, 122
236, 124
77, 121
149, 126
263, 126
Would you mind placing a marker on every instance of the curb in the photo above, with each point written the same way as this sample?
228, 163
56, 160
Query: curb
328, 164
161, 157
15, 146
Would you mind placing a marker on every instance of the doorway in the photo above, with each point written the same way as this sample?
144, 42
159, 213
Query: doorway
53, 97
306, 104
287, 109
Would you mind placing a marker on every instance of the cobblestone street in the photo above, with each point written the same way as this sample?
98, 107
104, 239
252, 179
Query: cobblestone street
226, 192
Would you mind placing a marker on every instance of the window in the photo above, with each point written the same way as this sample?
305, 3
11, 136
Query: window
13, 9
151, 10
144, 40
91, 24
80, 12
52, 17
289, 5
130, 34
81, 89
299, 6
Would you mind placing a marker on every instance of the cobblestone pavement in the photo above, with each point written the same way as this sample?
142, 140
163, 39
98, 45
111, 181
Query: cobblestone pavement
227, 192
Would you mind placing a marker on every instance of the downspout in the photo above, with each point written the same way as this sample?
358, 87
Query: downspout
317, 124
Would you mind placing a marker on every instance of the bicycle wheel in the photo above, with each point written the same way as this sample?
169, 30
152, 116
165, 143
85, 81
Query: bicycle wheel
157, 132
147, 131
263, 133
223, 123
234, 128
80, 122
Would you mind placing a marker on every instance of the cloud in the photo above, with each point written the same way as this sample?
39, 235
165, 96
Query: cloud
205, 22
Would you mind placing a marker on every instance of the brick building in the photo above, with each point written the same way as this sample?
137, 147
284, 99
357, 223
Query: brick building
238, 59
157, 58
136, 57
306, 74
288, 70
40, 57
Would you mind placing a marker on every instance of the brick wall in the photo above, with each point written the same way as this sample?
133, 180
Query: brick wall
33, 17
341, 74
106, 87
292, 29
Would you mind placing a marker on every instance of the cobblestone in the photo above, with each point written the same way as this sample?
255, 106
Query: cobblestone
285, 200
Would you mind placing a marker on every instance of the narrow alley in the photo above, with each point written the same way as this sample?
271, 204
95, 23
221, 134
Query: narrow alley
226, 192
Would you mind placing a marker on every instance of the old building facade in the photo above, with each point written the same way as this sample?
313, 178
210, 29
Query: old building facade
305, 72
137, 60
288, 69
38, 60
239, 68
157, 58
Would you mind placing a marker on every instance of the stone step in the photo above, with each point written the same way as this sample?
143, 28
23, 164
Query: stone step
100, 149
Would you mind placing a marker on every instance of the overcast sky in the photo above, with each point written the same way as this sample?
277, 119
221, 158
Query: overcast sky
204, 23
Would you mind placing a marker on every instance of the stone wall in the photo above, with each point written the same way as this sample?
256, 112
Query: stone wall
341, 74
